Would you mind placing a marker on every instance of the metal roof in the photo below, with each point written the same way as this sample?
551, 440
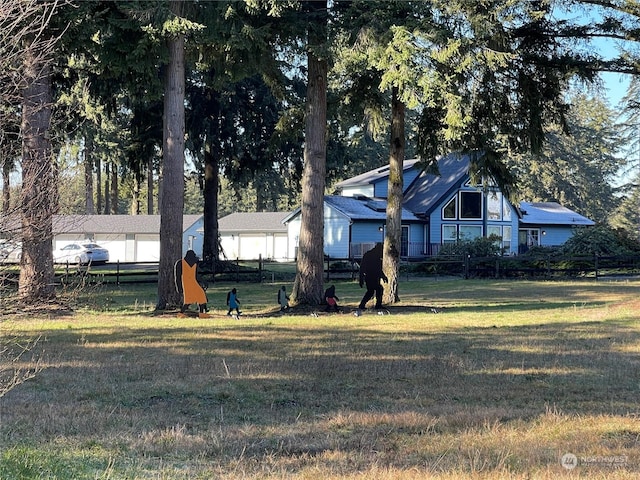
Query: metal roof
550, 213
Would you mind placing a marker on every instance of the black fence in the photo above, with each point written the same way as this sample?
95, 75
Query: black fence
524, 266
259, 270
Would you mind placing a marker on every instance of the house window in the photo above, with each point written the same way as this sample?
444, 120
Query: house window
506, 210
527, 238
506, 239
494, 230
449, 210
449, 233
469, 232
471, 205
504, 232
494, 206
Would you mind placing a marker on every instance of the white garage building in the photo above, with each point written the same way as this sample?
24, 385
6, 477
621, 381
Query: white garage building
129, 238
249, 236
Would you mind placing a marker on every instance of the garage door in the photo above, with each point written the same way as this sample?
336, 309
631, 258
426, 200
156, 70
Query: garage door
253, 246
115, 244
148, 248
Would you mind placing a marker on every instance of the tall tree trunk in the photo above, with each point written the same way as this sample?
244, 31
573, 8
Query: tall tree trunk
210, 248
36, 265
98, 185
135, 200
261, 194
113, 189
172, 205
393, 237
107, 183
150, 188
89, 206
308, 284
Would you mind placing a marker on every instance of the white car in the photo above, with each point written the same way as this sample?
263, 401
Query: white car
10, 251
81, 253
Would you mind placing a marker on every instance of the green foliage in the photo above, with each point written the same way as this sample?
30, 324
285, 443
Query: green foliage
29, 462
576, 169
601, 240
478, 247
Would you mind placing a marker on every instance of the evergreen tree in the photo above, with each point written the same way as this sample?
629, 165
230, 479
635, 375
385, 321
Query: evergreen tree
577, 168
172, 198
308, 285
37, 201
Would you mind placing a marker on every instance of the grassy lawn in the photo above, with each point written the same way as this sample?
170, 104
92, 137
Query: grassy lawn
463, 379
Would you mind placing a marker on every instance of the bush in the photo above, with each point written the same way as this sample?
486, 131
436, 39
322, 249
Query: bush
344, 266
601, 240
478, 247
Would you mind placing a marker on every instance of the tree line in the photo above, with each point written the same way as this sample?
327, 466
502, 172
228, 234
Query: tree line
203, 101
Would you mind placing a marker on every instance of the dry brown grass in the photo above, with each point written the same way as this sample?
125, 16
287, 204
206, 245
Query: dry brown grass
497, 385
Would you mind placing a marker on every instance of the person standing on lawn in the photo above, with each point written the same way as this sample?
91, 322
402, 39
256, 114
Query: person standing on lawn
370, 274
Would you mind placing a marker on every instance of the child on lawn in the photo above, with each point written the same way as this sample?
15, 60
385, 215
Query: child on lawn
233, 302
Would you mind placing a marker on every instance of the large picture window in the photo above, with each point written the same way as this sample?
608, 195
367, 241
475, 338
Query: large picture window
470, 205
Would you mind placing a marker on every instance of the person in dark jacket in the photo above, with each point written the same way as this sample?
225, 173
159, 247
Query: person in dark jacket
370, 275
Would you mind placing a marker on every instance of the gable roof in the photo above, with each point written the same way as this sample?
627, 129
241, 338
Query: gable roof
551, 213
114, 223
364, 208
253, 222
428, 190
360, 208
373, 176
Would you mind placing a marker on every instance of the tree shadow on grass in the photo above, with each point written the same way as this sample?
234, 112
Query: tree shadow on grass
302, 390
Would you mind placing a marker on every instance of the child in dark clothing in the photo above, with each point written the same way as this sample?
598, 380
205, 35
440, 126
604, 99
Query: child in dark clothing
331, 298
